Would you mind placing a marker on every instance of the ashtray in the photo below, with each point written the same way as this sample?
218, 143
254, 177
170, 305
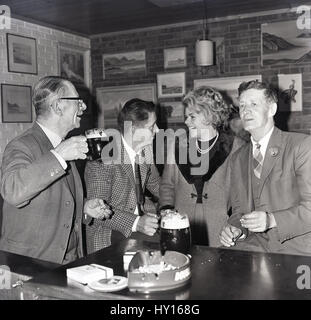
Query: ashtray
149, 271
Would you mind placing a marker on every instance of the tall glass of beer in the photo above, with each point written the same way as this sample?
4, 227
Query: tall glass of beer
175, 232
96, 140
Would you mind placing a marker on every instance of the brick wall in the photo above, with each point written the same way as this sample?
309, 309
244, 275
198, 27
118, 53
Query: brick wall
47, 40
242, 56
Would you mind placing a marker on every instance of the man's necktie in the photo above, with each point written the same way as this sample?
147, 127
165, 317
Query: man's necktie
138, 186
257, 161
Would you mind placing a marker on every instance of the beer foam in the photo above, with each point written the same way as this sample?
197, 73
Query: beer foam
95, 133
172, 219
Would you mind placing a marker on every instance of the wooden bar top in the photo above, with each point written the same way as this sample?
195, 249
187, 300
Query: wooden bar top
216, 274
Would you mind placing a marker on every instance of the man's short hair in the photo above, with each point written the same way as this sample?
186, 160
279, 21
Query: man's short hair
47, 88
137, 111
269, 92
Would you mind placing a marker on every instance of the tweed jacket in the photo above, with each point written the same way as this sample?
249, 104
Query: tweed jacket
176, 192
39, 199
115, 184
284, 191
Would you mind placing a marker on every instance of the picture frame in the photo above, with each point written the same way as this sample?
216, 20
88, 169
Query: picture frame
111, 99
173, 111
175, 57
171, 85
124, 63
74, 64
283, 43
290, 92
228, 86
21, 54
16, 105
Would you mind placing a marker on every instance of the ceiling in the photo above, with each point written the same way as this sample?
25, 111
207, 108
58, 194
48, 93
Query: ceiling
90, 17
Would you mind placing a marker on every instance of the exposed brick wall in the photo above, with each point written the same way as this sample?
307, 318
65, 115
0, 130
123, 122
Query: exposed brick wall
242, 56
47, 40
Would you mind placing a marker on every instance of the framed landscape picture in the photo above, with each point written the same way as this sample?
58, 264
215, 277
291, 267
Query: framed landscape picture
22, 54
171, 84
124, 63
111, 99
173, 111
16, 103
283, 42
228, 86
74, 64
175, 57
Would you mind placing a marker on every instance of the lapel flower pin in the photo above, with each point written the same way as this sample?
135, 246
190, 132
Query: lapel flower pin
274, 151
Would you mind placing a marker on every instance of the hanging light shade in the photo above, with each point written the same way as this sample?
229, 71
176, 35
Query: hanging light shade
204, 53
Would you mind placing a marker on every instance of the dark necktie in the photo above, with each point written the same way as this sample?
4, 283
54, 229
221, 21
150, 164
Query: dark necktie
257, 161
138, 186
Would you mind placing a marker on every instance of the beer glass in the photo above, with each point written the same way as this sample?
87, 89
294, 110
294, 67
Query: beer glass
175, 232
96, 140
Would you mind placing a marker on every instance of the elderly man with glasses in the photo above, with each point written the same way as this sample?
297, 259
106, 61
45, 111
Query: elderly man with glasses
40, 185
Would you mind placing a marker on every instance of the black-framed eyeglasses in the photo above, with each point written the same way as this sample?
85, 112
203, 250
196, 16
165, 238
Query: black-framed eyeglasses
79, 99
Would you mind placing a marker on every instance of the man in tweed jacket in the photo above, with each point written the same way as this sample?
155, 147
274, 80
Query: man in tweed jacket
114, 181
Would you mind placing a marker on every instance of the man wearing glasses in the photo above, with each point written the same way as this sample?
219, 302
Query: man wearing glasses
270, 181
40, 185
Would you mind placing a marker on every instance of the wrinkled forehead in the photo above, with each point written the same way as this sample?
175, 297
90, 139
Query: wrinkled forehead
68, 90
252, 94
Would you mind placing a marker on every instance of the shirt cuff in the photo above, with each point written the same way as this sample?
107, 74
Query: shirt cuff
60, 159
134, 227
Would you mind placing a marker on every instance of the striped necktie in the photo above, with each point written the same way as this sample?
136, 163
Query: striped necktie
138, 186
257, 161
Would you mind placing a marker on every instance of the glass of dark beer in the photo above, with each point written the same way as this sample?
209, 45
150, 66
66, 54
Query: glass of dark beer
175, 232
96, 139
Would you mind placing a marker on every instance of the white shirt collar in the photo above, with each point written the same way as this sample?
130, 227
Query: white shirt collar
54, 138
263, 142
132, 154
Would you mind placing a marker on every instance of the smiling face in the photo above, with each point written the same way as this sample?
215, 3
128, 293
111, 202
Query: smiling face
256, 111
72, 110
196, 122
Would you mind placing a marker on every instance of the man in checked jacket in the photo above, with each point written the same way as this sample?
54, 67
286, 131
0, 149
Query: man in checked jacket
116, 181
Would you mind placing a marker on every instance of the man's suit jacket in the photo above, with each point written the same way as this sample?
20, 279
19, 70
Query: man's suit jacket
39, 199
115, 183
284, 190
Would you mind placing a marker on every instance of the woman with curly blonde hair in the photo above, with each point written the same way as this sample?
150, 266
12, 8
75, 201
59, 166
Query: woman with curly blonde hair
195, 184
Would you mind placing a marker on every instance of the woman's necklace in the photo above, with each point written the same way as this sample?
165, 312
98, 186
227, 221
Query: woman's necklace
203, 151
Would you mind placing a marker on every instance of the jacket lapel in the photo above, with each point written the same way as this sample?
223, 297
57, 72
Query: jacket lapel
46, 145
248, 178
273, 152
126, 165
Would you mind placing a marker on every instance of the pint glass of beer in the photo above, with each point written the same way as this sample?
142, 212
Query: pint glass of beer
175, 232
96, 140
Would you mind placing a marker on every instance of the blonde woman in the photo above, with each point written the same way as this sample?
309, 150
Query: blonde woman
195, 184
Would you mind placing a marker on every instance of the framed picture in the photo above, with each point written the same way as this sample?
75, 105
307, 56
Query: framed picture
228, 86
172, 111
175, 57
111, 99
283, 42
74, 64
124, 63
16, 103
22, 54
290, 92
171, 84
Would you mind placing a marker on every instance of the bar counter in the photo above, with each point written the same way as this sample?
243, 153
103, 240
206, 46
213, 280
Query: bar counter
216, 274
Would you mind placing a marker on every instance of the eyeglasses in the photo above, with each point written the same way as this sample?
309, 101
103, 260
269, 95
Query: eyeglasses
80, 101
